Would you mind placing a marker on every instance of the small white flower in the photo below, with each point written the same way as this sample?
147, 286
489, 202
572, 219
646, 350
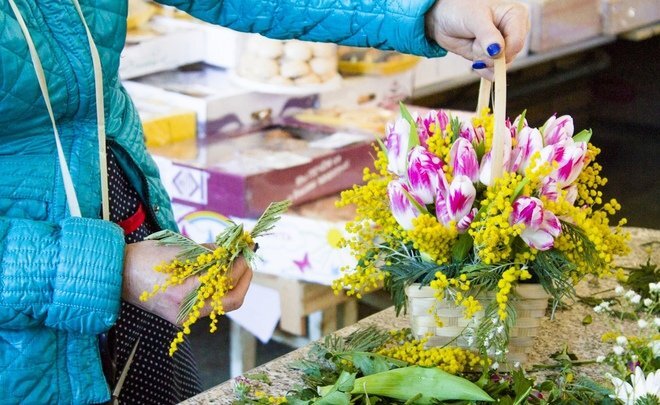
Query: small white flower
600, 359
618, 350
516, 364
500, 329
642, 323
619, 290
629, 294
598, 309
495, 366
656, 321
655, 348
654, 287
648, 302
642, 386
636, 299
621, 340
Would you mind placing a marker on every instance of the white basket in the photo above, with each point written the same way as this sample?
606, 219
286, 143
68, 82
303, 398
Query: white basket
531, 303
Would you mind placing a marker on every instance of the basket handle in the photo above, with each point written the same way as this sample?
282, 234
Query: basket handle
499, 115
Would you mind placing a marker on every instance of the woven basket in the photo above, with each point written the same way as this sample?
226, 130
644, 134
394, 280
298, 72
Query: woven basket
531, 303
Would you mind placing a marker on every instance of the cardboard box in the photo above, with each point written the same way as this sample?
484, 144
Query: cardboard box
164, 124
625, 15
241, 175
222, 107
556, 23
430, 71
161, 44
382, 91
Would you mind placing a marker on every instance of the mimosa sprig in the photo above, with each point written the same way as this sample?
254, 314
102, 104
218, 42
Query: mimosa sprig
212, 265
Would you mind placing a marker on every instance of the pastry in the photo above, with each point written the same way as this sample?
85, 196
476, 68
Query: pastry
324, 50
297, 50
294, 68
323, 66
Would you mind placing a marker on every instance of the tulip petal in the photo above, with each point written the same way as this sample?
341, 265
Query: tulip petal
397, 145
486, 170
551, 223
528, 211
403, 210
423, 174
464, 159
538, 238
460, 197
556, 130
465, 222
530, 141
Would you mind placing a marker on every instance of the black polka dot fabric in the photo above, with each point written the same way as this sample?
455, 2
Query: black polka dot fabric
154, 377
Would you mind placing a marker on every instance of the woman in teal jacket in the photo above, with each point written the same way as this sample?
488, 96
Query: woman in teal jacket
65, 272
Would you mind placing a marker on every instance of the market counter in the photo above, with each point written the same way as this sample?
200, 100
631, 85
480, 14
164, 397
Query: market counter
584, 341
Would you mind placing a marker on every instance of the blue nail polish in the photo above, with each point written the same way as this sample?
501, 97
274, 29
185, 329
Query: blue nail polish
493, 49
478, 65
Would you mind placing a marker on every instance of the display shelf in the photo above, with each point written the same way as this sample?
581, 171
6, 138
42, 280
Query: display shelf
519, 63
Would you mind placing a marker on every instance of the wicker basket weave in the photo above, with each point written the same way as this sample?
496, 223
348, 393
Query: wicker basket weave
530, 305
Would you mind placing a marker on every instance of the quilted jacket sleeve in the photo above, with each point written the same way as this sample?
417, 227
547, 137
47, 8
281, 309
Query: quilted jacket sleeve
66, 276
383, 24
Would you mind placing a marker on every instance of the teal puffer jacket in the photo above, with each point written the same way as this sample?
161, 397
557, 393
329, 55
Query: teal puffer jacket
60, 276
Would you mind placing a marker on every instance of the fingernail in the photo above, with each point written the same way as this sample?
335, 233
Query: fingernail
478, 65
493, 49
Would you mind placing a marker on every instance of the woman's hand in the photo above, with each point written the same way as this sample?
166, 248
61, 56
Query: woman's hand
479, 30
139, 275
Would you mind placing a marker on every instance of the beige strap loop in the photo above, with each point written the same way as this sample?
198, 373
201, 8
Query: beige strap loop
499, 116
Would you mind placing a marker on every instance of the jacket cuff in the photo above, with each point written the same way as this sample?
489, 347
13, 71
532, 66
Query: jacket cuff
414, 40
87, 286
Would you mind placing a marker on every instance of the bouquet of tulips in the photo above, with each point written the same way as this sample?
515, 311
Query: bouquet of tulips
432, 213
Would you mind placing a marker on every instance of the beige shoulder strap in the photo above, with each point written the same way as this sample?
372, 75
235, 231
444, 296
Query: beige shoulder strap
72, 199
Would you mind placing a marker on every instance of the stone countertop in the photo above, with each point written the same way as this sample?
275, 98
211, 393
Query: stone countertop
566, 327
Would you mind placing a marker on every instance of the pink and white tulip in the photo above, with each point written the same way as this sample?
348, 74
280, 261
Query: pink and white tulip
476, 136
403, 210
556, 130
464, 159
433, 123
397, 145
529, 141
570, 158
424, 170
541, 225
455, 203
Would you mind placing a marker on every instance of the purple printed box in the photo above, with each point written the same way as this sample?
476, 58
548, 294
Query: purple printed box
241, 175
222, 107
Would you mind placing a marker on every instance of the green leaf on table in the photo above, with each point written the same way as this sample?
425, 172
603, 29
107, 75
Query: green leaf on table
263, 377
371, 363
521, 386
406, 382
339, 393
